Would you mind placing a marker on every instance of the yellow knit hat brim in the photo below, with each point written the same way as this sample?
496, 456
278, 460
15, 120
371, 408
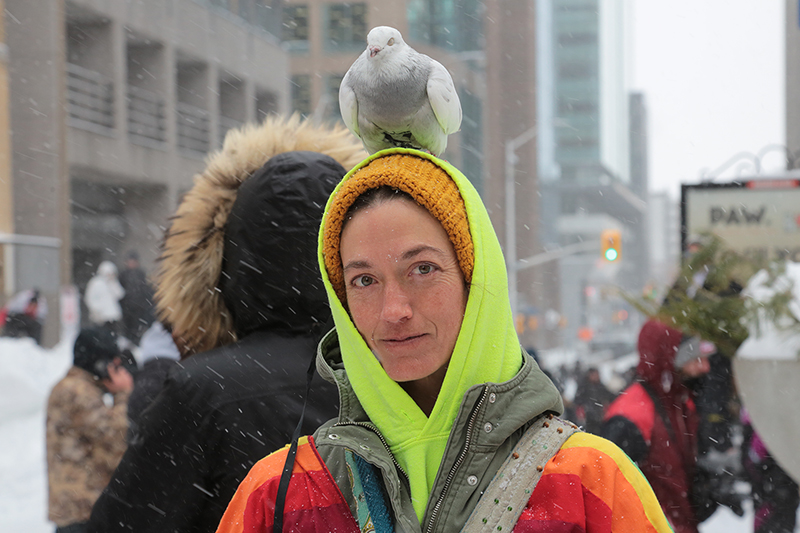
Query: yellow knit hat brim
431, 187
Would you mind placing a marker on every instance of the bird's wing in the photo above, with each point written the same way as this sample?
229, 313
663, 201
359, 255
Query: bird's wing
444, 99
348, 105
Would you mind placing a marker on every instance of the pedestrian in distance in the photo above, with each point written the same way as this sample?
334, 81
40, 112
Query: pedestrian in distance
238, 285
591, 400
86, 426
24, 315
655, 421
158, 354
137, 305
776, 496
437, 396
103, 293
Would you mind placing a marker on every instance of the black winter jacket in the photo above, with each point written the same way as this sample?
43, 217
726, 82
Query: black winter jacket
222, 410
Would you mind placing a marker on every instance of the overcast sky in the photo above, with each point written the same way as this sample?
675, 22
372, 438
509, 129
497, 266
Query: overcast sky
713, 76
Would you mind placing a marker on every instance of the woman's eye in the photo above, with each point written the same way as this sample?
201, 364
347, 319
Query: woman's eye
424, 269
391, 41
363, 281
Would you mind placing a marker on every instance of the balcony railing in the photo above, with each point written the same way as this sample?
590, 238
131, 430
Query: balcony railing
193, 130
146, 116
90, 98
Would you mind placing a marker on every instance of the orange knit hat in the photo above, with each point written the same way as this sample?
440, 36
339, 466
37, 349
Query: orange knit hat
425, 181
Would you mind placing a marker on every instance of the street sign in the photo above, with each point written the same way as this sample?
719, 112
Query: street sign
759, 217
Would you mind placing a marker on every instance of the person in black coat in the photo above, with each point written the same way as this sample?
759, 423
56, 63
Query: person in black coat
137, 304
158, 354
591, 401
239, 285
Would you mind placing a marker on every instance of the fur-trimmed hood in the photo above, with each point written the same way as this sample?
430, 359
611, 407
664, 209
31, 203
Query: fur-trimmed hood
190, 288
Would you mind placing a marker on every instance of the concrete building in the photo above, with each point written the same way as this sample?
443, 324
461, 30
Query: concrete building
114, 106
664, 234
117, 102
592, 150
589, 52
6, 190
793, 80
638, 251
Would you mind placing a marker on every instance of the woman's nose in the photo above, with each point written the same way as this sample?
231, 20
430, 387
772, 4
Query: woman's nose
396, 304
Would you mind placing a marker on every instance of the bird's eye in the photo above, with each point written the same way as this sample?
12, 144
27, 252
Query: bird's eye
391, 41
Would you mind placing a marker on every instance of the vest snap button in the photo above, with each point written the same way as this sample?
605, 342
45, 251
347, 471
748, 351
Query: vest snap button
333, 436
492, 398
488, 427
472, 480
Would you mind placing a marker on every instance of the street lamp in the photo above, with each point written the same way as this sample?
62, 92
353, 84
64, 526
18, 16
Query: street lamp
746, 157
512, 145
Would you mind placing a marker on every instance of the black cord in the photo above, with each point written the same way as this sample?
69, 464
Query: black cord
286, 475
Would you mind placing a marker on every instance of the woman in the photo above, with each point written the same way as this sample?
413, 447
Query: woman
435, 390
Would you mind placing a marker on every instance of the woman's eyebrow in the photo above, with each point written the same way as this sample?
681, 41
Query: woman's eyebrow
409, 254
422, 248
356, 264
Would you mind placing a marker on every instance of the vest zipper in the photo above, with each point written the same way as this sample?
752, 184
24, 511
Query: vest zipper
383, 441
461, 457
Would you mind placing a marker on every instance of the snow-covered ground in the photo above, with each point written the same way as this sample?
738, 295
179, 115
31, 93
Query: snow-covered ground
27, 372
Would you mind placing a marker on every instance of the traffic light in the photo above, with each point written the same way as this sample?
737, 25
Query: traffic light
611, 245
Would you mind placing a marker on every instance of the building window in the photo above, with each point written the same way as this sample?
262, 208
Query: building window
580, 107
450, 24
579, 6
266, 104
577, 70
472, 139
301, 94
295, 28
264, 14
332, 105
578, 142
570, 38
346, 27
574, 150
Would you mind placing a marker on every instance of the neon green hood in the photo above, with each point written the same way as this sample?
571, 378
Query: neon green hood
487, 351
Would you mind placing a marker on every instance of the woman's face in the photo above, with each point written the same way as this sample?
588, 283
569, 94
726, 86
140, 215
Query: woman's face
405, 289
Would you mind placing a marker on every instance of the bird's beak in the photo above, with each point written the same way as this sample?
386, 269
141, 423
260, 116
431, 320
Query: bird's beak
373, 50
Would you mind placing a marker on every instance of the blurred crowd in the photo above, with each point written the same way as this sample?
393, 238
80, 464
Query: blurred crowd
679, 418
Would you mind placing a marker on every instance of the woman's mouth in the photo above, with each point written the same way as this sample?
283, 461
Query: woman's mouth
403, 339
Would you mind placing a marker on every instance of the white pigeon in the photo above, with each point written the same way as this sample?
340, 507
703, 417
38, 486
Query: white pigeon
394, 96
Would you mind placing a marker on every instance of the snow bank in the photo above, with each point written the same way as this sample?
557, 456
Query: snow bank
27, 373
769, 341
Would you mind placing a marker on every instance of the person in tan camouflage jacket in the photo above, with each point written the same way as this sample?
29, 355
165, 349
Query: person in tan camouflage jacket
85, 429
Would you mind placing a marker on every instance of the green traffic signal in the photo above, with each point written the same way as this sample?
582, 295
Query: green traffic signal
611, 244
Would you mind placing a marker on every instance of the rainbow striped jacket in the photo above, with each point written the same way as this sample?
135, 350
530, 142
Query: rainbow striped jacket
346, 480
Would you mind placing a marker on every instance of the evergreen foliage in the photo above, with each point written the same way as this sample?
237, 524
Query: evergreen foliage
706, 298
